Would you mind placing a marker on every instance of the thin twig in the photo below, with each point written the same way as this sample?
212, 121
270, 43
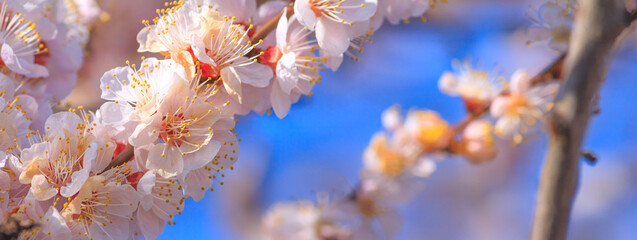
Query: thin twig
271, 24
597, 25
126, 155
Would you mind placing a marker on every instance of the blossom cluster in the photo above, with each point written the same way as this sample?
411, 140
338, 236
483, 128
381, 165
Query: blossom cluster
166, 132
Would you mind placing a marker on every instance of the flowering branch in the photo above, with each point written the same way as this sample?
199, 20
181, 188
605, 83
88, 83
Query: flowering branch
596, 29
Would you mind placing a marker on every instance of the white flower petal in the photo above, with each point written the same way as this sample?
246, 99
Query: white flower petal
303, 11
520, 82
148, 41
201, 157
145, 188
282, 30
332, 36
150, 225
41, 188
55, 225
287, 73
167, 160
57, 123
280, 101
20, 65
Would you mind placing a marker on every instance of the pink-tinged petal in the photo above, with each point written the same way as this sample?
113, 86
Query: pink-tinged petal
498, 106
332, 62
224, 124
252, 96
118, 229
243, 10
254, 74
28, 104
3, 102
390, 222
46, 29
419, 8
280, 100
14, 163
378, 19
78, 178
22, 66
112, 86
424, 168
166, 74
303, 11
365, 232
35, 152
106, 149
537, 34
44, 111
41, 188
148, 42
282, 30
141, 157
55, 225
231, 83
112, 113
229, 152
448, 84
66, 56
123, 193
5, 184
7, 84
507, 126
358, 29
149, 224
391, 118
196, 183
57, 123
145, 188
175, 97
166, 159
202, 156
332, 36
287, 73
360, 10
520, 82
560, 46
397, 11
145, 133
199, 49
550, 13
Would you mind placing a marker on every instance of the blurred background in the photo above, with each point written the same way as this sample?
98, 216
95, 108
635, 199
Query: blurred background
318, 146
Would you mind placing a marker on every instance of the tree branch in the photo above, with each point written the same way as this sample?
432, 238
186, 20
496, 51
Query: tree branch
597, 25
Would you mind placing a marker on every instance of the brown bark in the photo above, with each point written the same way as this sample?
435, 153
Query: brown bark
598, 23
